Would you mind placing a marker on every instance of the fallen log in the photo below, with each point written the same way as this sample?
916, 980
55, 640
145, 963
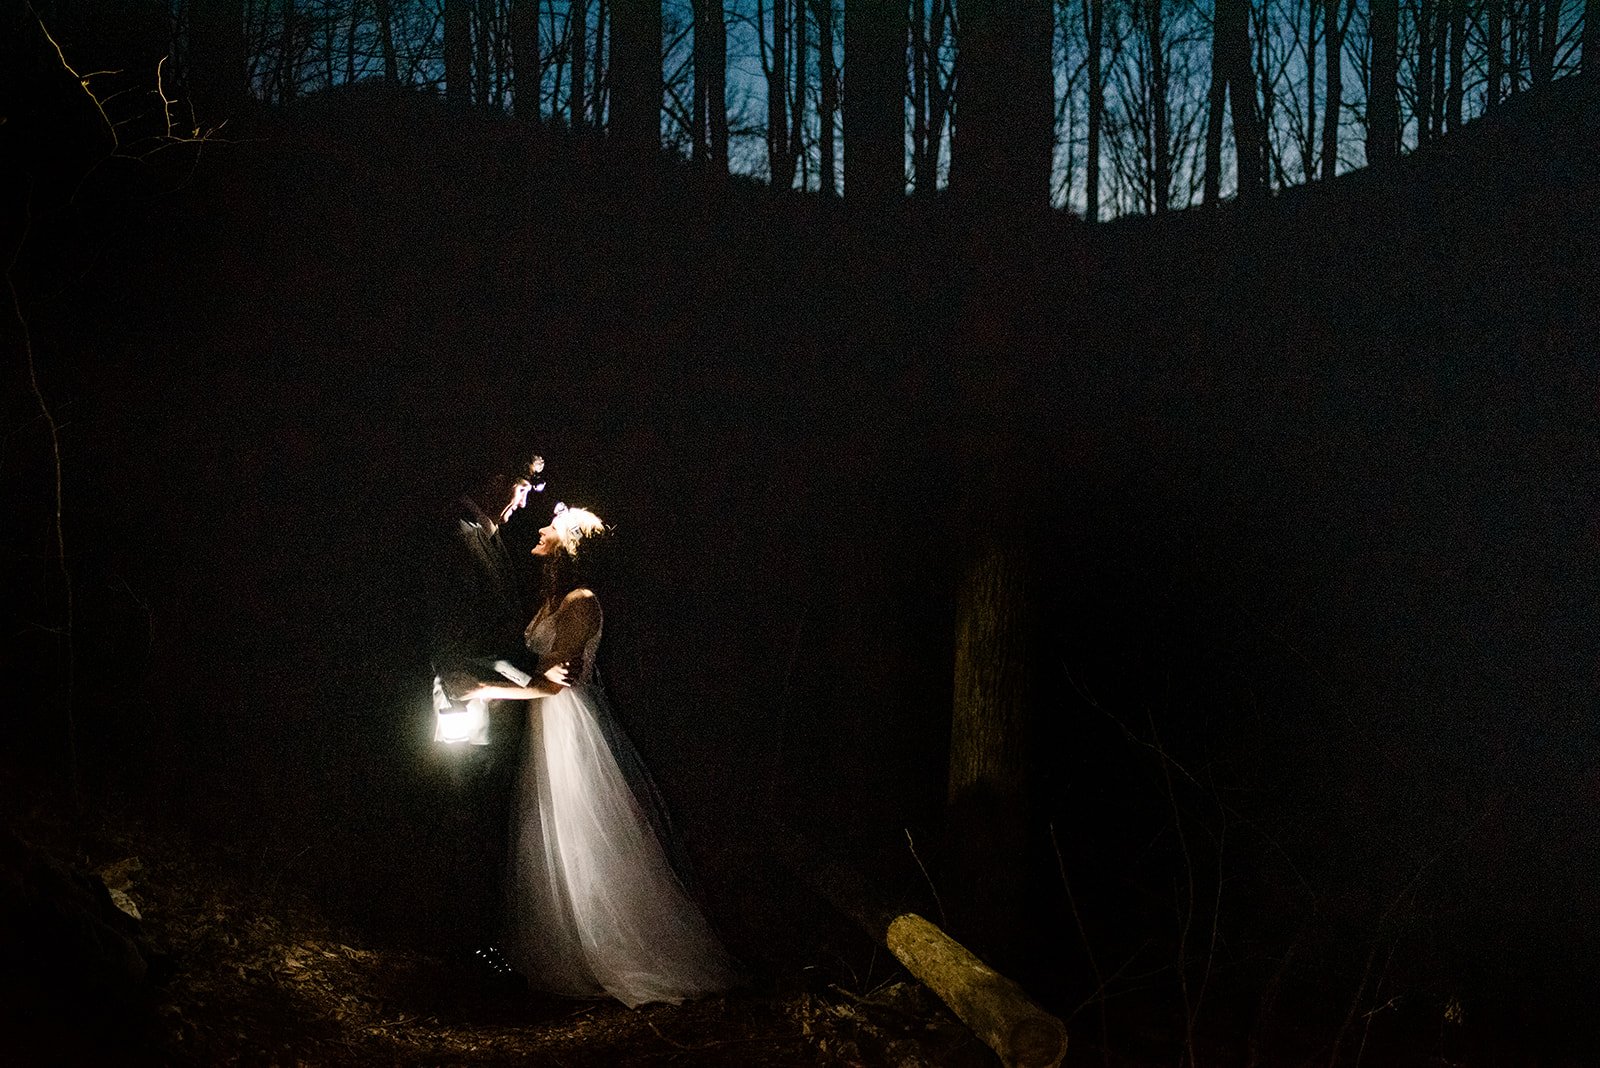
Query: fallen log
995, 1008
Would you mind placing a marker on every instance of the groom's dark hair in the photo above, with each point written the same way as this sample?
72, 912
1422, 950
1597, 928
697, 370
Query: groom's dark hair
502, 464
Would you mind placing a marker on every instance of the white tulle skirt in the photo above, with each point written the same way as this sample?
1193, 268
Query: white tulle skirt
593, 905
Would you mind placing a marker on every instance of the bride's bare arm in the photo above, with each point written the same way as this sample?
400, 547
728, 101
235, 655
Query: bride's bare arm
557, 677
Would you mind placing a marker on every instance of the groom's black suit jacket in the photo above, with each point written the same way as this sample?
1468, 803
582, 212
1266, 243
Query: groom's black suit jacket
480, 615
484, 609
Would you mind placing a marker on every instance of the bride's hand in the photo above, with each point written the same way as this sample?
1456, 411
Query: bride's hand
559, 677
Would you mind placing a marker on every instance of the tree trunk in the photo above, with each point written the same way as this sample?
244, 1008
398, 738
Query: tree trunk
774, 65
289, 55
1383, 111
699, 143
1095, 20
1590, 59
1513, 64
1271, 166
1232, 75
1494, 17
1548, 41
391, 63
1160, 127
990, 745
772, 49
502, 64
710, 118
1308, 144
827, 99
1249, 135
1216, 111
636, 80
216, 62
1333, 93
597, 72
482, 80
526, 75
1533, 49
997, 1010
457, 53
717, 82
330, 55
1456, 94
919, 93
577, 52
797, 111
939, 94
930, 93
1530, 33
559, 68
874, 102
350, 42
1422, 90
1004, 143
1441, 65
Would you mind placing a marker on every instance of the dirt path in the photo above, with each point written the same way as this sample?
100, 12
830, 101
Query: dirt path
255, 985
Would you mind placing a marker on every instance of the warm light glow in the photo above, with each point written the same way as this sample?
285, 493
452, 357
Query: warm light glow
456, 724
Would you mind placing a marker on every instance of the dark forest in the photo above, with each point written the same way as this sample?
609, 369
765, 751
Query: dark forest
1067, 511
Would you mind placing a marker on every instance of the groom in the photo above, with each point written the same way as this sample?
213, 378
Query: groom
478, 641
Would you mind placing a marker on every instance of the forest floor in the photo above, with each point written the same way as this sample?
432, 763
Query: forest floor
252, 977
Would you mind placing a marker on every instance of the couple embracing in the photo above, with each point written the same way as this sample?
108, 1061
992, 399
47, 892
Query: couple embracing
592, 890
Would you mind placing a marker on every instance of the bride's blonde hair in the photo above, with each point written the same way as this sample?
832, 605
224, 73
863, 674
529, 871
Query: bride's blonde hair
573, 525
560, 573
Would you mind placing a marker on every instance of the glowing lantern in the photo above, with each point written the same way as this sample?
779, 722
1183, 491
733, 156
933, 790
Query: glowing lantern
459, 722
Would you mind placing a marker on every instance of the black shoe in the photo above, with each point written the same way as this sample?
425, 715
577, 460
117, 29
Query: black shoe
492, 959
490, 962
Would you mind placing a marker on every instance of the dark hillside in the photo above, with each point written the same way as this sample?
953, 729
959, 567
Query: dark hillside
1358, 420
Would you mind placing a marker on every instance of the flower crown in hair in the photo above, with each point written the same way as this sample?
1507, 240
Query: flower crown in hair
574, 524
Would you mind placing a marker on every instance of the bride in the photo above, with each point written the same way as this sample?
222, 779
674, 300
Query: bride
593, 903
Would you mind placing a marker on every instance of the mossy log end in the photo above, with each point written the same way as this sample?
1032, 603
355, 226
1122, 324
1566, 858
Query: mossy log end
996, 1009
